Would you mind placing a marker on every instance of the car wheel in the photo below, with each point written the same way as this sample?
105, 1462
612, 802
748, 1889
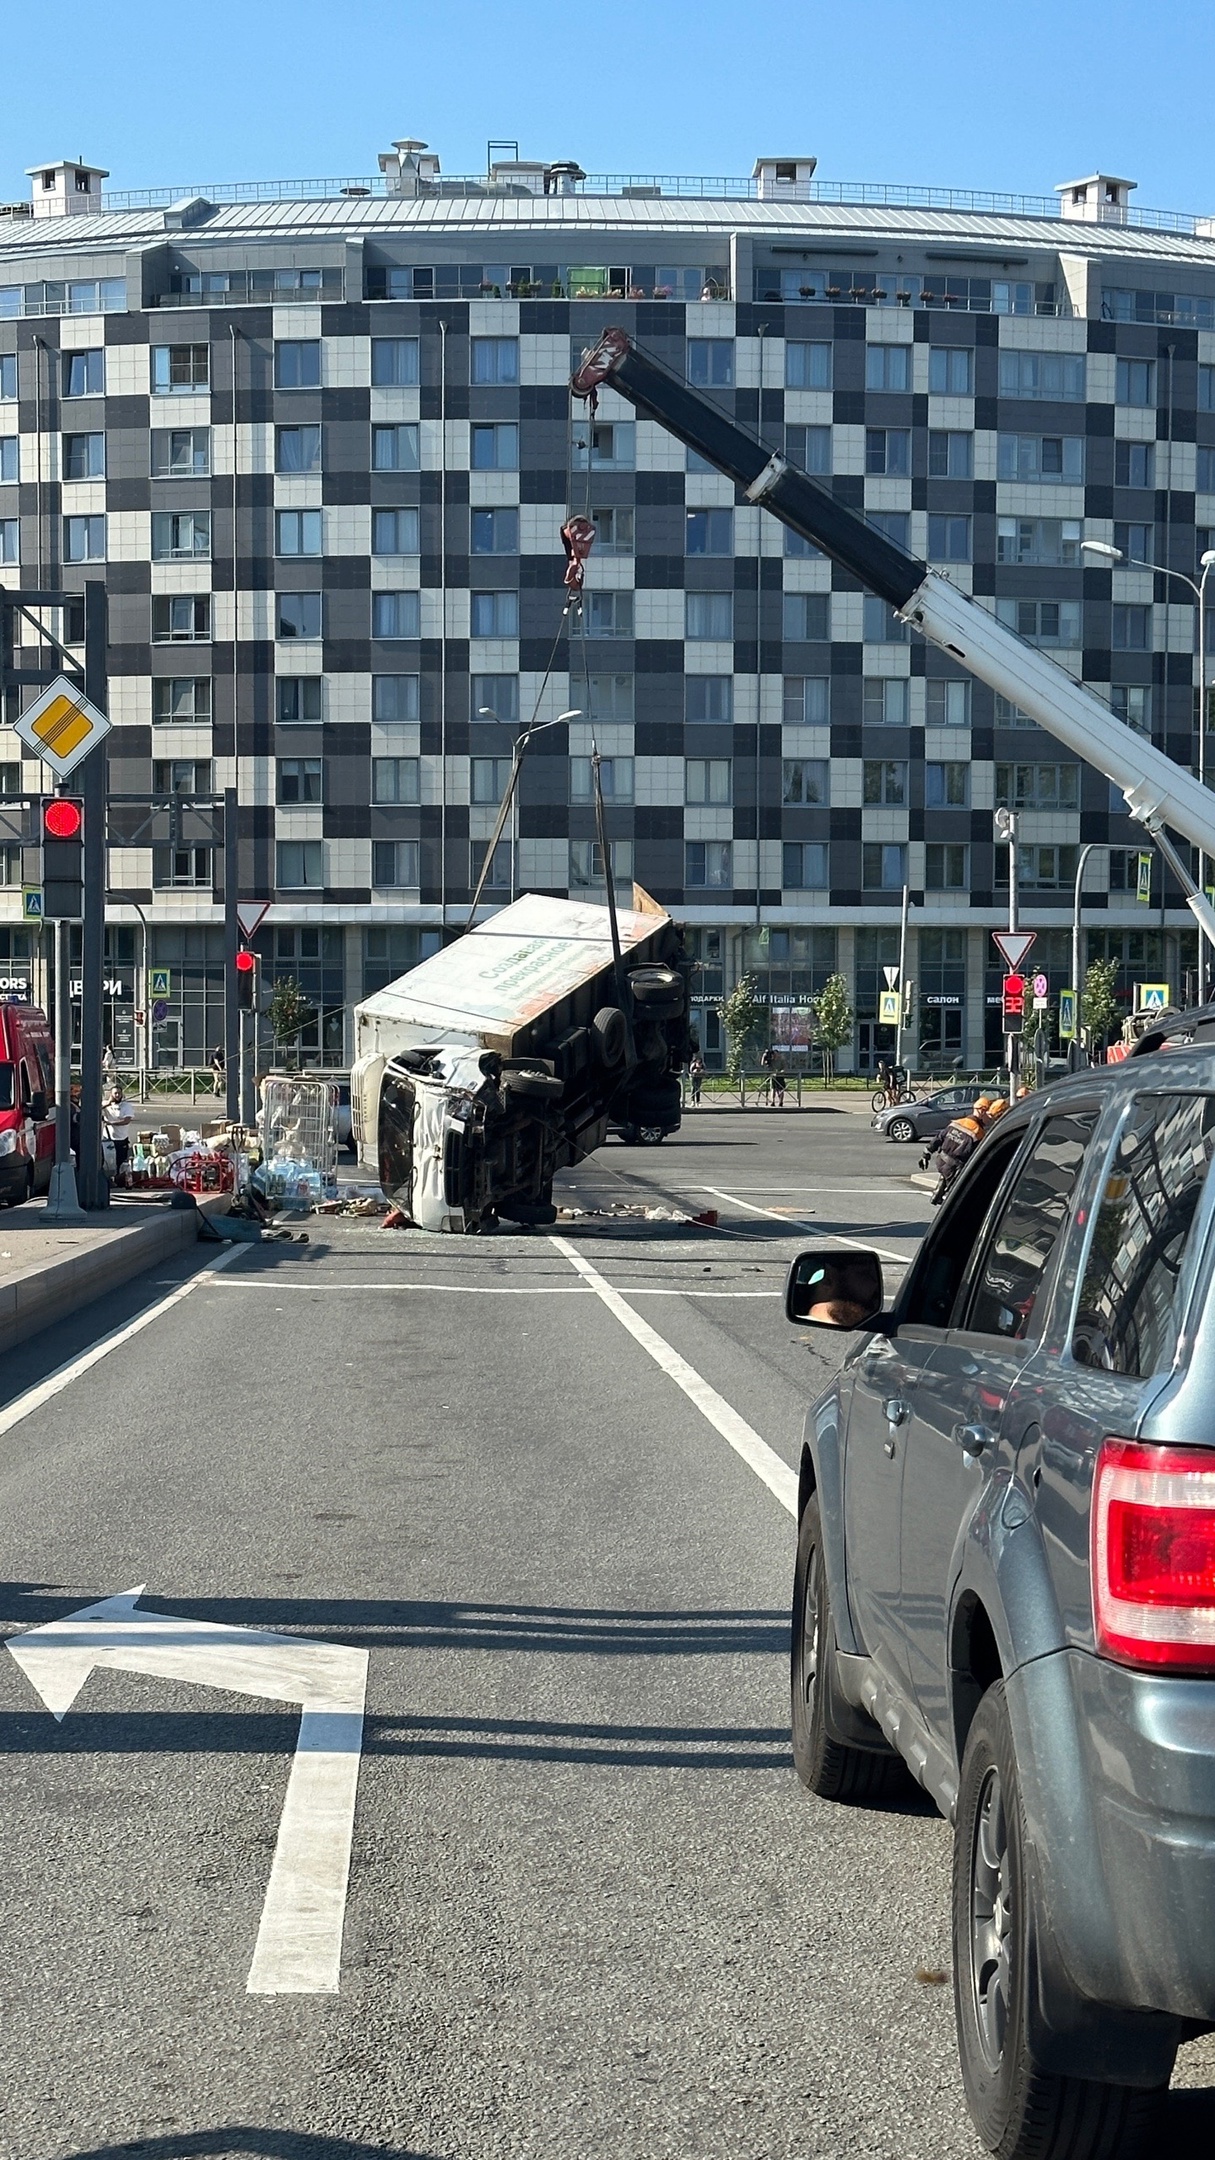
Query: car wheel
1020, 2111
900, 1128
651, 1135
826, 1766
27, 1188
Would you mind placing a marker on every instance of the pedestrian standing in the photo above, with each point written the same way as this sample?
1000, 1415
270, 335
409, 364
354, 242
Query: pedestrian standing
218, 1069
109, 1066
696, 1074
119, 1119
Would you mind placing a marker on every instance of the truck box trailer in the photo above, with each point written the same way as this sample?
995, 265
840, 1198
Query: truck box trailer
502, 1058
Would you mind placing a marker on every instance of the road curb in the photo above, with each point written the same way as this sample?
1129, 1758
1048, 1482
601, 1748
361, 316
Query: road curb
45, 1294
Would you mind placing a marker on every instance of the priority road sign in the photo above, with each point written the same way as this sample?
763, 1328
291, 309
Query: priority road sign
62, 726
1151, 997
31, 903
1014, 944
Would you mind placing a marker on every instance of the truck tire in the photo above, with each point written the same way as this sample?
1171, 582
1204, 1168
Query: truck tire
610, 1036
656, 1102
533, 1086
825, 1766
657, 992
1021, 2112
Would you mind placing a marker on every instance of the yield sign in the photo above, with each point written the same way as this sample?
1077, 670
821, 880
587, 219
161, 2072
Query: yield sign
1014, 944
250, 914
299, 1942
892, 976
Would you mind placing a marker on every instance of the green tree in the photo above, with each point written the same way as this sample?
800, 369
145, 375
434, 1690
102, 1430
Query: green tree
834, 1019
1099, 1008
289, 1010
745, 1020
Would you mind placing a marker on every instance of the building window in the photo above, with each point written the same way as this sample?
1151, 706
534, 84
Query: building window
608, 697
10, 457
608, 615
181, 776
84, 373
1206, 389
879, 623
1132, 704
500, 875
299, 615
805, 782
396, 780
951, 454
299, 780
1042, 622
1205, 476
796, 544
883, 866
951, 370
885, 781
586, 863
395, 449
1137, 542
84, 457
395, 863
493, 360
177, 698
396, 615
709, 532
707, 780
8, 376
395, 532
496, 697
804, 866
888, 367
1040, 869
607, 446
613, 529
487, 778
494, 446
10, 540
1038, 787
947, 787
946, 704
1050, 541
709, 864
297, 364
946, 866
394, 361
84, 539
494, 532
888, 450
711, 363
1135, 382
1009, 715
806, 700
299, 700
300, 864
806, 618
948, 539
615, 779
1057, 376
177, 867
494, 614
181, 453
1041, 457
708, 698
1135, 465
884, 701
181, 618
178, 534
809, 447
1131, 629
807, 366
297, 449
180, 368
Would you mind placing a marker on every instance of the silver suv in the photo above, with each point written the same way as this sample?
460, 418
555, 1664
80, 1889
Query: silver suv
1005, 1582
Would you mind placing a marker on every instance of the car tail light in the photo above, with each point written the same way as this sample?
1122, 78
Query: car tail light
1153, 1555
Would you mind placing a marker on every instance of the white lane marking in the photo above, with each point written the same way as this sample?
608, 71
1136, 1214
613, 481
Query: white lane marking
743, 1438
489, 1289
63, 1375
794, 1222
299, 1941
779, 1185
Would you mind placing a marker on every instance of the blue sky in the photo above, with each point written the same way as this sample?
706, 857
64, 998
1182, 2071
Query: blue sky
1003, 96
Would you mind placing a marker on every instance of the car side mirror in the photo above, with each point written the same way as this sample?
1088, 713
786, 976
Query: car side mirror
837, 1290
37, 1107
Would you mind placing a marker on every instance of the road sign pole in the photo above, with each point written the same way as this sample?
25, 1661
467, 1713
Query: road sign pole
232, 1026
93, 1187
63, 1204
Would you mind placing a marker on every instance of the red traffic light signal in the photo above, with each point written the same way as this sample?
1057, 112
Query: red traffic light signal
63, 858
1014, 997
246, 979
245, 962
63, 817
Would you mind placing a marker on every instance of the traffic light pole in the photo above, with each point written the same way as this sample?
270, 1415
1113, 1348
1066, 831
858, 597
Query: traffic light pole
93, 1187
233, 1027
62, 1201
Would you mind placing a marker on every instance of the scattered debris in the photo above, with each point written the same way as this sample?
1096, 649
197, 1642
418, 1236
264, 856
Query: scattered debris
929, 1976
395, 1219
707, 1217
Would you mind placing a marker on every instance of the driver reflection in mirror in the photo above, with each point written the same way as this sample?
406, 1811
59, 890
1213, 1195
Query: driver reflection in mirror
831, 1296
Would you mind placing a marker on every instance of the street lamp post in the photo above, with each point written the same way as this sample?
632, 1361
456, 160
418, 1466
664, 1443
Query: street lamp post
1076, 1046
511, 798
1198, 586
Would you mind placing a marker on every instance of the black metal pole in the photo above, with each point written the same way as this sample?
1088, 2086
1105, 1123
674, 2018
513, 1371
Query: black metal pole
93, 1187
232, 1028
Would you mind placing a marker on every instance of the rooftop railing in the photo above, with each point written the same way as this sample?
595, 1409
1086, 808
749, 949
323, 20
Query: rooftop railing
680, 187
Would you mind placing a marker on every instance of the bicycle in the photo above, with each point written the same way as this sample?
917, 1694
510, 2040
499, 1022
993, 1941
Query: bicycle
889, 1098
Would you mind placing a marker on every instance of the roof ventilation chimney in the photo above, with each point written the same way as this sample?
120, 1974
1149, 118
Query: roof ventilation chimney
67, 187
1099, 200
784, 179
409, 169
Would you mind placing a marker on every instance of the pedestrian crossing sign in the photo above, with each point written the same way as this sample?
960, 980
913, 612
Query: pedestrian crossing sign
888, 1008
1151, 997
31, 903
159, 982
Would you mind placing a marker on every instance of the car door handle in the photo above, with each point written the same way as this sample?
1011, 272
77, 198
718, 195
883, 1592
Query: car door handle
896, 1411
972, 1439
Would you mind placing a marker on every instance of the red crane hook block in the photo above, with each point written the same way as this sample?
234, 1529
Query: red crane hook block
578, 538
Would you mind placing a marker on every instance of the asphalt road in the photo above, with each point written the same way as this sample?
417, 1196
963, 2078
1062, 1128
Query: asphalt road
590, 1910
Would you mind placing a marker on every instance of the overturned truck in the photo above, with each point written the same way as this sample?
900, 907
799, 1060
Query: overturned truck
504, 1058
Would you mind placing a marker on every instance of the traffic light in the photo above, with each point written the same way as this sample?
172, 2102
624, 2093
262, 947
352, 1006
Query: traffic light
63, 858
1014, 997
246, 980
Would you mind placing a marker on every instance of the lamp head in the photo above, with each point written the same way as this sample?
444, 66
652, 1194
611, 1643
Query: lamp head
1104, 549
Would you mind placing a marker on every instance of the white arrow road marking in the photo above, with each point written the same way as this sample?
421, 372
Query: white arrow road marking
299, 1942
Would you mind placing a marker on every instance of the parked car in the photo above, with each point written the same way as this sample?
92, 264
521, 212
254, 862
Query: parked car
920, 1120
27, 1096
1005, 1581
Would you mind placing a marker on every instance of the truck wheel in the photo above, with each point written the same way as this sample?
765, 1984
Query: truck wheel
610, 1036
827, 1767
651, 1135
1020, 2111
533, 1086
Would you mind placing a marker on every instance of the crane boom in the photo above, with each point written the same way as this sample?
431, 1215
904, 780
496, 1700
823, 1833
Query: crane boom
1158, 792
